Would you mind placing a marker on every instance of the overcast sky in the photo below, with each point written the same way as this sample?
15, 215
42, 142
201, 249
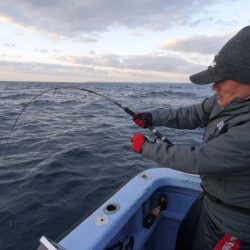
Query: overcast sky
114, 40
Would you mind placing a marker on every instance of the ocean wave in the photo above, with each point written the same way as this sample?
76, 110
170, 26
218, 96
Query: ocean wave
67, 153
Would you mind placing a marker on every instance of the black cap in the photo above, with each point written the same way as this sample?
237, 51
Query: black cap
232, 62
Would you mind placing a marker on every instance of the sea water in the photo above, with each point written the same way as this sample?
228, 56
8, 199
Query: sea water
70, 150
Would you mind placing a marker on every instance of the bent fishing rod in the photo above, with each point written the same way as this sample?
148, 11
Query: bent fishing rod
131, 113
126, 109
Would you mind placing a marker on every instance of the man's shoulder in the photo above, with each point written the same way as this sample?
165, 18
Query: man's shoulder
209, 103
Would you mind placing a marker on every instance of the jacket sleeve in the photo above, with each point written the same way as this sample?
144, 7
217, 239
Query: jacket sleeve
190, 117
226, 154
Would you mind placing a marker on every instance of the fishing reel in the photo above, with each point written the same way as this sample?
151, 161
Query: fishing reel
161, 138
152, 140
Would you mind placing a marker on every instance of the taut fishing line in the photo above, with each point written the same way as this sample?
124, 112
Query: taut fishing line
126, 109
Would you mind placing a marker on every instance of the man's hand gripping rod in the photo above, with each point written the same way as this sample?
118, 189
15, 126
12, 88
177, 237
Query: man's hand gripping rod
157, 133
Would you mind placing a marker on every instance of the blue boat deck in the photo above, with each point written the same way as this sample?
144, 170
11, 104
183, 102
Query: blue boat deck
118, 223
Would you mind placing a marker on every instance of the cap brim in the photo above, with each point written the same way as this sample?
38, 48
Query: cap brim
205, 77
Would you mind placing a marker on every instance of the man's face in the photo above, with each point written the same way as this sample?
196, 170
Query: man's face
228, 90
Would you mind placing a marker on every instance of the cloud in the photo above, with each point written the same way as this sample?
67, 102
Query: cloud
197, 44
42, 50
77, 17
13, 70
217, 21
11, 45
103, 68
86, 40
147, 62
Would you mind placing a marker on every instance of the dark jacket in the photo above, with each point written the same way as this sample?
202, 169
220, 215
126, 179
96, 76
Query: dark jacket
222, 160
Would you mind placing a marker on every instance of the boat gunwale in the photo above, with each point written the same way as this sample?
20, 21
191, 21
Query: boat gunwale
155, 178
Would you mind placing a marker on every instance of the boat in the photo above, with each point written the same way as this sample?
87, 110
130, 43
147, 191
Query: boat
144, 214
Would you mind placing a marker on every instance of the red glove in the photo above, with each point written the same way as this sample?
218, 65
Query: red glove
137, 141
143, 119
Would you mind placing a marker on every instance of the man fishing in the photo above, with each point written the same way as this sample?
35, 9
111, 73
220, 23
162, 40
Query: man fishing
220, 217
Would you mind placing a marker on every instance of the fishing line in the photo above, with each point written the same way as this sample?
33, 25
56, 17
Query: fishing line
126, 109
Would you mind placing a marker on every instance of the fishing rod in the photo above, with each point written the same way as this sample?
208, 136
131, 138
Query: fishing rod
131, 113
126, 109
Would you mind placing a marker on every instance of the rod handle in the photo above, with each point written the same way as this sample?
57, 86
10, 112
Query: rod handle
129, 111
